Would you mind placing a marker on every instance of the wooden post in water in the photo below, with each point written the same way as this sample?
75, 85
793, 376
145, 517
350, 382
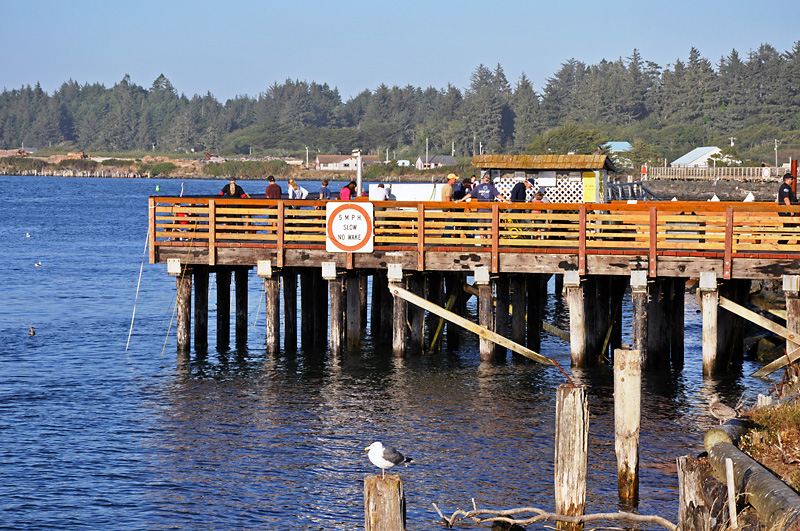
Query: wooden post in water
386, 309
791, 289
435, 289
416, 316
639, 314
571, 455
184, 308
336, 296
627, 419
536, 287
306, 307
573, 293
678, 322
320, 309
353, 312
485, 310
363, 290
453, 288
517, 298
272, 316
289, 278
223, 275
399, 312
384, 504
240, 276
693, 513
658, 324
709, 301
501, 313
377, 294
200, 275
559, 285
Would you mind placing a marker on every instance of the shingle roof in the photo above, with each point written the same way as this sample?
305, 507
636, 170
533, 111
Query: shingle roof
543, 162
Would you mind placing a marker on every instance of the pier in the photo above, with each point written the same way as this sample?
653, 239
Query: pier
597, 251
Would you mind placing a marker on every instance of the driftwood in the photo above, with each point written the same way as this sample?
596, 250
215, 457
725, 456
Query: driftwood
521, 516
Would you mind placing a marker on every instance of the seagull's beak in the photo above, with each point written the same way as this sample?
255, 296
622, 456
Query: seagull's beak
367, 448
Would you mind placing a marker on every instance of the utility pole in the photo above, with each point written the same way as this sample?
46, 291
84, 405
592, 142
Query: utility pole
306, 157
426, 153
776, 152
732, 139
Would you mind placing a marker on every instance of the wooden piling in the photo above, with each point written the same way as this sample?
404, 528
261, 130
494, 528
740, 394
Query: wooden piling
639, 307
574, 295
320, 309
353, 324
289, 279
336, 295
377, 294
223, 275
184, 309
434, 285
693, 513
453, 287
678, 323
384, 504
240, 276
363, 292
627, 420
501, 313
272, 315
709, 308
200, 275
386, 309
416, 316
571, 453
516, 285
658, 324
486, 318
306, 308
536, 287
399, 326
791, 289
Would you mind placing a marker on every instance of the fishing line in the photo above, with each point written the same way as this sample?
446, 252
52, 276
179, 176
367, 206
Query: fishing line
138, 284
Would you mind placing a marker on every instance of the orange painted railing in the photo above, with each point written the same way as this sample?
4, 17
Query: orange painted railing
718, 229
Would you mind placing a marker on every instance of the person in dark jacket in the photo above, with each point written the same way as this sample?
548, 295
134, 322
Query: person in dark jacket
787, 197
273, 190
232, 190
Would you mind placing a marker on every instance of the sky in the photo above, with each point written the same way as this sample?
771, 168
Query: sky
238, 47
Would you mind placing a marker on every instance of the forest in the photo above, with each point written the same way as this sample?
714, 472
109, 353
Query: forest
744, 104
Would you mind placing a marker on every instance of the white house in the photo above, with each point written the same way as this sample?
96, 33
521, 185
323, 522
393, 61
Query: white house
344, 162
425, 163
697, 158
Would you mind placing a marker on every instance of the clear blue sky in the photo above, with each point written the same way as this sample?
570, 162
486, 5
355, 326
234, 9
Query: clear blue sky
238, 47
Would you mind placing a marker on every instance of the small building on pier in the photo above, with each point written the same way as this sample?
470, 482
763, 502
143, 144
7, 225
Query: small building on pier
562, 178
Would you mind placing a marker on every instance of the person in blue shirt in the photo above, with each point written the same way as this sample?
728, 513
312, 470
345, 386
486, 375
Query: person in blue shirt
484, 192
324, 193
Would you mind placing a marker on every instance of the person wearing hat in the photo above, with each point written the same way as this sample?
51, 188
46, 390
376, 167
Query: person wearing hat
786, 196
273, 190
447, 189
519, 194
232, 190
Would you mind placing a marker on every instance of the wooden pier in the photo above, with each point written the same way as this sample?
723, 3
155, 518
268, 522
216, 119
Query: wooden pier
430, 248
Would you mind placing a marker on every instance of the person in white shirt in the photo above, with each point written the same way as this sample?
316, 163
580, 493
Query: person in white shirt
296, 191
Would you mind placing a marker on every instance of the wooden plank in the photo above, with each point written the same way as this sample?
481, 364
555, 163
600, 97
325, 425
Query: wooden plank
763, 322
726, 264
779, 363
481, 331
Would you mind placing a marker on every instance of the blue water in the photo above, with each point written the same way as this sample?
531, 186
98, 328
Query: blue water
96, 437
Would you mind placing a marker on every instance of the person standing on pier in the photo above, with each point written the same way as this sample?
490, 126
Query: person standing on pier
786, 196
232, 190
447, 189
273, 190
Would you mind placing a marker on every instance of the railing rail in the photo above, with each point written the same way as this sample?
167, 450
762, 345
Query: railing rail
722, 229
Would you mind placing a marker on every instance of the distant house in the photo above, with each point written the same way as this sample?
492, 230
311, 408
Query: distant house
12, 153
404, 162
697, 158
434, 161
344, 162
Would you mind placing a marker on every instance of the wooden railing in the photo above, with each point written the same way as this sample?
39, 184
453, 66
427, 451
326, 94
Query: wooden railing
645, 228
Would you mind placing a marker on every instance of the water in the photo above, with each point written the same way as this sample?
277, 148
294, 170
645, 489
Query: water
94, 437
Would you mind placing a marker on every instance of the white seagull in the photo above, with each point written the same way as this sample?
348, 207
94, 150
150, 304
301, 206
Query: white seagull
384, 458
27, 234
38, 264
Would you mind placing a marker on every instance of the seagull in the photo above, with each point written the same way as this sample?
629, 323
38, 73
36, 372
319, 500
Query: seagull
27, 234
31, 332
384, 458
721, 411
38, 264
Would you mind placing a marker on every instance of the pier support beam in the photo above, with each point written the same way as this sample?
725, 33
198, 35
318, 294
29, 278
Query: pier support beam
791, 288
320, 310
536, 286
240, 276
223, 275
639, 303
658, 323
336, 296
289, 278
453, 283
272, 296
485, 310
399, 312
416, 315
709, 301
518, 290
573, 292
307, 311
353, 312
678, 322
435, 289
200, 275
184, 309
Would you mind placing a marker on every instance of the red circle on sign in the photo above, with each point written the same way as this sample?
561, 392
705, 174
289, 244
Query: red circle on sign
360, 244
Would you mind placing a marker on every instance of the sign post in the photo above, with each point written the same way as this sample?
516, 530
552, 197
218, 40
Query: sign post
349, 227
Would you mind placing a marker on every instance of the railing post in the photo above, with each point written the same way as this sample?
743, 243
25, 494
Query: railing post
212, 232
279, 233
151, 225
420, 237
726, 266
653, 240
495, 237
582, 241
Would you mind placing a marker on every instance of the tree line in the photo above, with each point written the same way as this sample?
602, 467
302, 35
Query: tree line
662, 111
